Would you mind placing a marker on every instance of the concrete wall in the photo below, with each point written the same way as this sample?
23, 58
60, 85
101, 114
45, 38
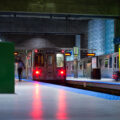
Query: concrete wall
104, 7
23, 41
84, 40
39, 25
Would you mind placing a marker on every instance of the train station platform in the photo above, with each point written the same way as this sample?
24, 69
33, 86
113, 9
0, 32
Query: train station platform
44, 101
104, 85
102, 80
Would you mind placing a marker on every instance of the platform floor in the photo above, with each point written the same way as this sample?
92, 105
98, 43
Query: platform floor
103, 80
44, 101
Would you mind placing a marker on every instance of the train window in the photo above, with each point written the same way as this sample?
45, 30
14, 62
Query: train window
110, 62
117, 62
100, 62
106, 63
39, 60
49, 59
80, 66
59, 60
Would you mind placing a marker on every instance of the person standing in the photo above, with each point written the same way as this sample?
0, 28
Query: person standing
20, 68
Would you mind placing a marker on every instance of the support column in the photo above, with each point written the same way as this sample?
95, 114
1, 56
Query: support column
76, 58
96, 36
7, 67
78, 44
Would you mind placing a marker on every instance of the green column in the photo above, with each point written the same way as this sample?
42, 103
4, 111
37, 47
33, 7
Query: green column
6, 67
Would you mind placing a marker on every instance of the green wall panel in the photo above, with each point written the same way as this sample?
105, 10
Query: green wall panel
104, 7
6, 67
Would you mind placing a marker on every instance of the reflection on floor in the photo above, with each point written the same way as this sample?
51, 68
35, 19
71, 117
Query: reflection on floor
43, 101
81, 91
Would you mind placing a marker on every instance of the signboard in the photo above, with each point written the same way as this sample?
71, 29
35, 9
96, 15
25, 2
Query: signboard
94, 62
67, 54
119, 57
90, 54
76, 51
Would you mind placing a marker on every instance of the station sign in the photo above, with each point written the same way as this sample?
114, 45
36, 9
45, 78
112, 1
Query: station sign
75, 51
90, 54
47, 51
68, 54
119, 57
94, 62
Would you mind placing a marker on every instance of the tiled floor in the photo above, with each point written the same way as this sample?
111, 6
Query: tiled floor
43, 101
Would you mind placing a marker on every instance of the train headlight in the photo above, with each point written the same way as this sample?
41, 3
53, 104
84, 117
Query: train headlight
37, 72
61, 72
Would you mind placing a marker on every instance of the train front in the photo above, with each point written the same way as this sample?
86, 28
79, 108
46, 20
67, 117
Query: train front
49, 65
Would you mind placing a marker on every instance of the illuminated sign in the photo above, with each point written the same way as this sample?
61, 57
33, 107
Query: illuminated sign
15, 53
90, 54
119, 57
67, 54
75, 51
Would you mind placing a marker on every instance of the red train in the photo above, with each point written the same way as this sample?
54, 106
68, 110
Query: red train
46, 64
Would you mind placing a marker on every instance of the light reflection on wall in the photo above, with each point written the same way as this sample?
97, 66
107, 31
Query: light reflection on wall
96, 36
101, 35
109, 37
62, 108
36, 111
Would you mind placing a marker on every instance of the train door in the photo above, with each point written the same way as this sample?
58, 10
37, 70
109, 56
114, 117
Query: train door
84, 69
50, 66
88, 70
60, 67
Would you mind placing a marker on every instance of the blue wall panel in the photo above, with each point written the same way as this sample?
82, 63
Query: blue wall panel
109, 36
101, 35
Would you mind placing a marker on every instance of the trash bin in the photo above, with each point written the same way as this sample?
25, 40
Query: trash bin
96, 73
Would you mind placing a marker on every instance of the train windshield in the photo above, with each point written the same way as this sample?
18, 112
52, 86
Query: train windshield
39, 60
59, 60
